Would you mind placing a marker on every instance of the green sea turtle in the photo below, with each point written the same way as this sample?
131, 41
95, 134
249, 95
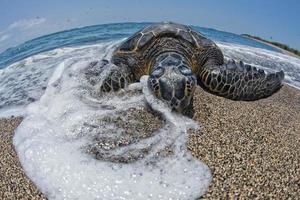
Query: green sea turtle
176, 57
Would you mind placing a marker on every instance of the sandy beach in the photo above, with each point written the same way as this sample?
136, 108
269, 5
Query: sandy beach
14, 184
252, 148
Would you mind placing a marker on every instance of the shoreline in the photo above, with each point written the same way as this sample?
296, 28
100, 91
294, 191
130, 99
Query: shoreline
252, 148
272, 45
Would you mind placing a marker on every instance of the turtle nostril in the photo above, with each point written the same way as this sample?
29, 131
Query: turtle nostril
174, 102
153, 84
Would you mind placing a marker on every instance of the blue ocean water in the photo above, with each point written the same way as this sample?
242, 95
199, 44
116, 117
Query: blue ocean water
103, 33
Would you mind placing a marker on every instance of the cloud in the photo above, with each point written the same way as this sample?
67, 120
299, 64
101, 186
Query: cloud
27, 23
22, 30
4, 37
26, 29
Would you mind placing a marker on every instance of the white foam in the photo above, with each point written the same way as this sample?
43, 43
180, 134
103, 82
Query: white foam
51, 138
25, 81
8, 112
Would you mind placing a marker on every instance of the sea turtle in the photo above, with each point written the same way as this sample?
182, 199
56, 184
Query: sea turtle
177, 57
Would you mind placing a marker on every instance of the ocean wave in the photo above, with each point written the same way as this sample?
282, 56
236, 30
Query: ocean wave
25, 81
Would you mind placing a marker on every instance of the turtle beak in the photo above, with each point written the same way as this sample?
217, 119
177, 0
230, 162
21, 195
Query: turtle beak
173, 87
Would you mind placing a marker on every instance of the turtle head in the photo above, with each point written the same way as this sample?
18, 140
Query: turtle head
174, 84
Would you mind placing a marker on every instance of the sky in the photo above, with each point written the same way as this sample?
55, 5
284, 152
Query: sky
277, 20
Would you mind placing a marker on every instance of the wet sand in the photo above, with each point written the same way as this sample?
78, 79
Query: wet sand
252, 148
14, 184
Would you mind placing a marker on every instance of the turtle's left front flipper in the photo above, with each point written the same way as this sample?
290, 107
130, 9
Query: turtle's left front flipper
239, 81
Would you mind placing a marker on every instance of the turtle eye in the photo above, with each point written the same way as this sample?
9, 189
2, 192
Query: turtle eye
185, 70
158, 72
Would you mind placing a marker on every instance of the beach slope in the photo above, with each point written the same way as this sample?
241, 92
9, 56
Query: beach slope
252, 148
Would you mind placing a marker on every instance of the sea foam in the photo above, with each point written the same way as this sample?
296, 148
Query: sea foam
51, 139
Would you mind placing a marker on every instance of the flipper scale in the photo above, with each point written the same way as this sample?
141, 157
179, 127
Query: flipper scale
242, 81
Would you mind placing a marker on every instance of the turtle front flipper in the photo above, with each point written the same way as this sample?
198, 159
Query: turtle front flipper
239, 81
117, 78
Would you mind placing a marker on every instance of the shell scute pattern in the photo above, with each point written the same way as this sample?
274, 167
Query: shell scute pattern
183, 32
146, 37
201, 40
170, 59
130, 43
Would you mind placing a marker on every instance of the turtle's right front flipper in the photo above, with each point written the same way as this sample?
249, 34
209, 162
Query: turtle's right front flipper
117, 78
239, 81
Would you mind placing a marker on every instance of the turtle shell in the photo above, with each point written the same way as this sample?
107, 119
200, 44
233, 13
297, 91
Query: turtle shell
170, 29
